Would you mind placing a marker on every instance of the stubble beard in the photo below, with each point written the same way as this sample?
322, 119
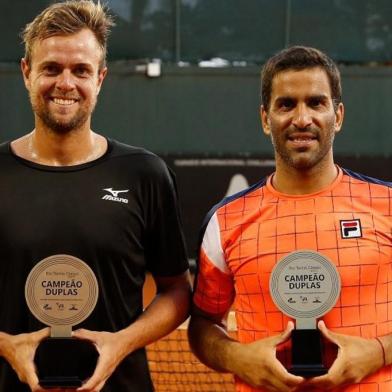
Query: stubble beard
56, 125
302, 160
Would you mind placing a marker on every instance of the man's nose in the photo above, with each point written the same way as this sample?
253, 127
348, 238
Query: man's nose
65, 81
302, 117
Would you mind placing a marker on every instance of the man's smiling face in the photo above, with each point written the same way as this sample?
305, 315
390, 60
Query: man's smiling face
301, 119
64, 79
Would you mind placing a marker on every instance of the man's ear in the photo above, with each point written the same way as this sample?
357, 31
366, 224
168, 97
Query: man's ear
265, 120
25, 67
101, 76
339, 116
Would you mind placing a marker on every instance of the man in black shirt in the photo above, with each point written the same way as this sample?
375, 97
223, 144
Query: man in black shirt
68, 190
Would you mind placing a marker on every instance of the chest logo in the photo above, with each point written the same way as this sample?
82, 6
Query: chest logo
114, 195
351, 228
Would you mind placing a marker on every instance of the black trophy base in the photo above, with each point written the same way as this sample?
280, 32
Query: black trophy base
307, 353
65, 362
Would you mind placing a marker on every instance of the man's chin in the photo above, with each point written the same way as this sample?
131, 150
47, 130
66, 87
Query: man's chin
303, 162
62, 126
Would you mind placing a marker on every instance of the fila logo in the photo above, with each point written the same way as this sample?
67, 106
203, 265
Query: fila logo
114, 195
351, 228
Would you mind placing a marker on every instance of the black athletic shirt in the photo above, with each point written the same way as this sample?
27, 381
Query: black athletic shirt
77, 210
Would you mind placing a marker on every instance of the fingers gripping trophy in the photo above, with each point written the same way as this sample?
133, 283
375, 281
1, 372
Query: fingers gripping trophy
305, 285
62, 291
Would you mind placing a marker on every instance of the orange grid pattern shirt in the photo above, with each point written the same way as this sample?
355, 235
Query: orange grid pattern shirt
247, 234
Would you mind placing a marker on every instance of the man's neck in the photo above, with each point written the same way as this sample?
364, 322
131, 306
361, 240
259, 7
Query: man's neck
302, 182
54, 149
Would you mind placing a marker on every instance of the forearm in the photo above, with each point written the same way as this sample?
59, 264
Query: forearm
168, 310
255, 363
211, 344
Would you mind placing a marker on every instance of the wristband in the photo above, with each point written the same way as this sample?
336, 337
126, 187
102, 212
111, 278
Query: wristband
383, 350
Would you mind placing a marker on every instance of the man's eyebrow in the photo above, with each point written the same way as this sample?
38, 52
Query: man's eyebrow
55, 63
284, 98
88, 65
320, 97
45, 63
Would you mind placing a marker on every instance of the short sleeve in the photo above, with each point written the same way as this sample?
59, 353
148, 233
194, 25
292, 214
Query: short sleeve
165, 245
214, 288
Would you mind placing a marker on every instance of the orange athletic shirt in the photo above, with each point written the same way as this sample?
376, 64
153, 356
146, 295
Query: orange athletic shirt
350, 223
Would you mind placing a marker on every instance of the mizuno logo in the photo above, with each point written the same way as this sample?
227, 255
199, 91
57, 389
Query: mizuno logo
114, 195
351, 228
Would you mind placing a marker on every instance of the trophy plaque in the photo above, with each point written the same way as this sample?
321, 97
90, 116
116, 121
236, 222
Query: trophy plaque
62, 291
305, 285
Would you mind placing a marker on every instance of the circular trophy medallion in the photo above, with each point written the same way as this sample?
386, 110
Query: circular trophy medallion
305, 285
61, 291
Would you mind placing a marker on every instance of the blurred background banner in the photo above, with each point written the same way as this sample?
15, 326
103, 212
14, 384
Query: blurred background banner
351, 31
184, 82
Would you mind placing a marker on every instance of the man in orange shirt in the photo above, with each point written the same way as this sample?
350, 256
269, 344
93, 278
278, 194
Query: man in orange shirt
307, 203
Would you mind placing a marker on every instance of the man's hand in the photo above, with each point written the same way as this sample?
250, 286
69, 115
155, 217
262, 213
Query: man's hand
19, 350
357, 358
168, 309
257, 365
111, 349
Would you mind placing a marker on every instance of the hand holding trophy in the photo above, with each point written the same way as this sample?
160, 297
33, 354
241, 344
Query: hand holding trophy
305, 285
62, 291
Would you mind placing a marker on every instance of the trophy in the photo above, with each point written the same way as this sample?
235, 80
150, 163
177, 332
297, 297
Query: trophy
62, 291
305, 285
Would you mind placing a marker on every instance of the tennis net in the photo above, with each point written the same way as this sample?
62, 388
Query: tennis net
174, 368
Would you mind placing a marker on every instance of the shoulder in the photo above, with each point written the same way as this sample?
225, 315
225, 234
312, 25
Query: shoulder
7, 157
233, 203
5, 148
363, 179
141, 159
118, 149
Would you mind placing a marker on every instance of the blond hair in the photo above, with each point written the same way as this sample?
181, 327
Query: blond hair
69, 17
